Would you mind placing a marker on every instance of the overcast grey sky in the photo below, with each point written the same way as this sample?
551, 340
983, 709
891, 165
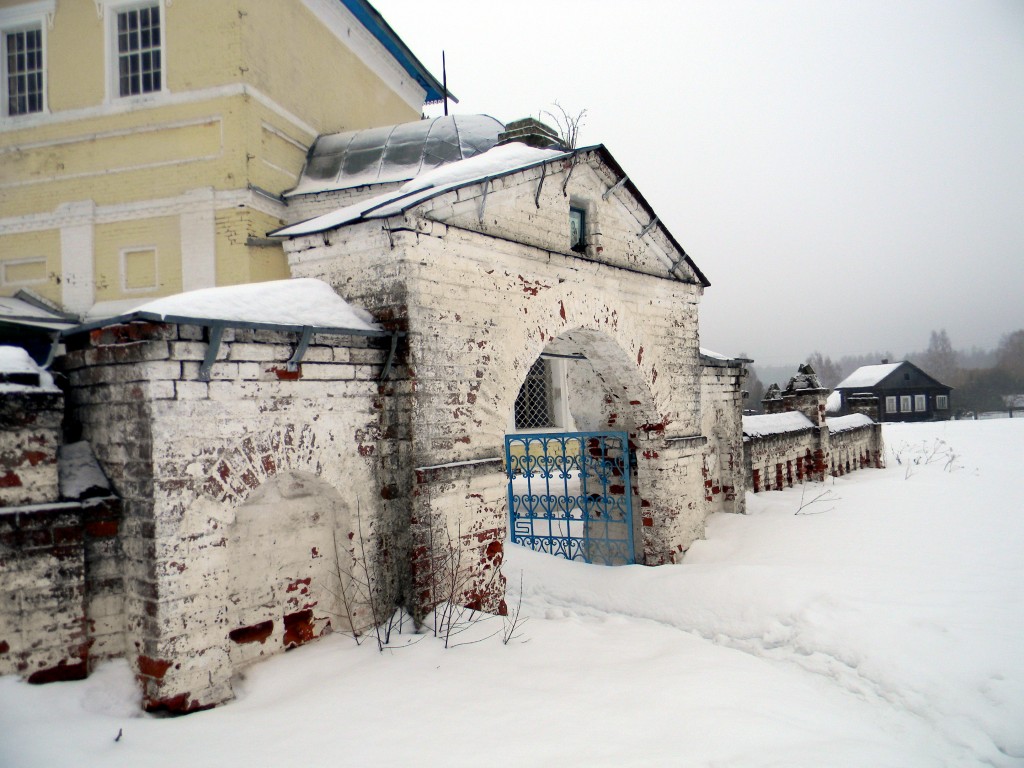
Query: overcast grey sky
848, 175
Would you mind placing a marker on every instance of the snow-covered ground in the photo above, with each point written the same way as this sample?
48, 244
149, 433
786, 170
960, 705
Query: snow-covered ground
879, 625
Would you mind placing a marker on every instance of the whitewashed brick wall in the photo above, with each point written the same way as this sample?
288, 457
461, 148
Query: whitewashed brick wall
483, 286
214, 575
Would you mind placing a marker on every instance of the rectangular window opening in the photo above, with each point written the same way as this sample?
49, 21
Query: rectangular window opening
905, 403
23, 70
138, 51
890, 404
920, 402
533, 409
577, 230
941, 402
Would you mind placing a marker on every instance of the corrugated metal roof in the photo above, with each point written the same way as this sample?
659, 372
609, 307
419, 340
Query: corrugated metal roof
394, 153
497, 162
18, 311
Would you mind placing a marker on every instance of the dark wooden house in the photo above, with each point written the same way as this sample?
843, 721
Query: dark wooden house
904, 392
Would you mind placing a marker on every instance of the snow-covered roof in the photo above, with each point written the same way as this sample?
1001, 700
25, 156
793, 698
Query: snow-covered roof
394, 153
15, 310
297, 303
498, 161
20, 373
16, 360
834, 402
775, 424
837, 424
710, 356
868, 375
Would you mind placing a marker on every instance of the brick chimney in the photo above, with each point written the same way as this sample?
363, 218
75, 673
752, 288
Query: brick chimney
531, 132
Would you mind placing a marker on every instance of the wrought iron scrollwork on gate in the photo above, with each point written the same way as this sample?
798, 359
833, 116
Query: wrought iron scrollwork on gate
570, 495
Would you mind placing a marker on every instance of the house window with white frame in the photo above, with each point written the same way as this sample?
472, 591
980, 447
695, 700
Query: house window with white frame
23, 71
906, 403
139, 50
890, 404
920, 402
23, 57
941, 402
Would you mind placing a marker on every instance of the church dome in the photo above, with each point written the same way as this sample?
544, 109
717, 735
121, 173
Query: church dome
394, 153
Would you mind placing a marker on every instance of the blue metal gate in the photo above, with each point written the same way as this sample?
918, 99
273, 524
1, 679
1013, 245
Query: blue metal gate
570, 495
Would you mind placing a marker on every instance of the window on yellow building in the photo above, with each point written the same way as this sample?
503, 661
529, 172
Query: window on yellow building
23, 57
139, 50
23, 70
138, 269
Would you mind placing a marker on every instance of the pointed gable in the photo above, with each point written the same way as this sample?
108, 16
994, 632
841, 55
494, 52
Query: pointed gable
533, 196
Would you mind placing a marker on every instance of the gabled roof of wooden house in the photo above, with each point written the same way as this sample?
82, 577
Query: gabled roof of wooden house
881, 375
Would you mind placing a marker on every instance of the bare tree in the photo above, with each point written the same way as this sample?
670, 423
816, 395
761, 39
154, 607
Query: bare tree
939, 360
568, 124
1010, 356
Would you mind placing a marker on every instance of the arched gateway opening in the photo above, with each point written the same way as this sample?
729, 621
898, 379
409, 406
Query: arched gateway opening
570, 453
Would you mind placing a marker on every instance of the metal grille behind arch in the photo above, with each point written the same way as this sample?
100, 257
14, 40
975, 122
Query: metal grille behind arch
570, 495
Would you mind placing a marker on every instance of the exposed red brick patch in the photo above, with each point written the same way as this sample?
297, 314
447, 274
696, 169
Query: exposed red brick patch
101, 528
257, 633
648, 522
283, 374
561, 310
35, 457
4, 647
298, 628
175, 705
10, 480
61, 673
494, 549
67, 534
299, 584
155, 668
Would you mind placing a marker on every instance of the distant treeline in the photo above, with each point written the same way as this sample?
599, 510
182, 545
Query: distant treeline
982, 378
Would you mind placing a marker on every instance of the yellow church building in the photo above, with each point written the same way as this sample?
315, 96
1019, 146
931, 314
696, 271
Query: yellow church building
145, 144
